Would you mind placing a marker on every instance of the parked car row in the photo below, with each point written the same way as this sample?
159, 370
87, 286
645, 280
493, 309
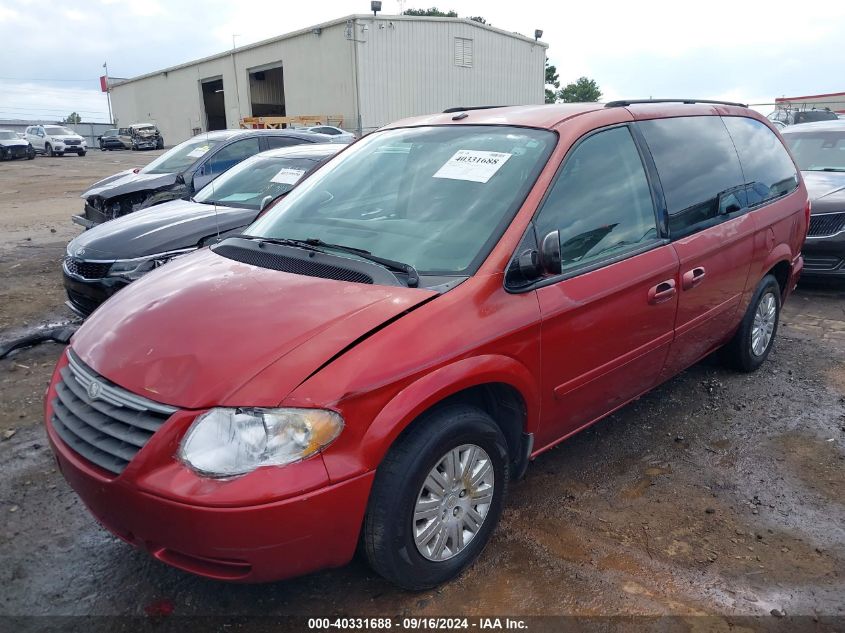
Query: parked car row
319, 354
135, 137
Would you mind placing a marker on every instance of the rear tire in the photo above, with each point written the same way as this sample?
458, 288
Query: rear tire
419, 552
751, 344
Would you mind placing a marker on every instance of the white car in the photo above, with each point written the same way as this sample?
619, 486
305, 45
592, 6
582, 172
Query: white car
55, 140
337, 133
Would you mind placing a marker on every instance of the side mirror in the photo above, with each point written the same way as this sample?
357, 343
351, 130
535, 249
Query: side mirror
550, 253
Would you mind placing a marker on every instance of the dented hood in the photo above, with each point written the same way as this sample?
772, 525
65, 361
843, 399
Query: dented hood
207, 331
129, 182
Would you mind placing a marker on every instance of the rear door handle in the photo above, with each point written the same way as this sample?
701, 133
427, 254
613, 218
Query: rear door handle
662, 292
693, 277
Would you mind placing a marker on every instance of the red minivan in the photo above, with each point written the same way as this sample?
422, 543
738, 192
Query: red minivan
379, 354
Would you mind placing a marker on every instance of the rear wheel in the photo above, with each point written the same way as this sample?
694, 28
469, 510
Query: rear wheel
753, 341
437, 498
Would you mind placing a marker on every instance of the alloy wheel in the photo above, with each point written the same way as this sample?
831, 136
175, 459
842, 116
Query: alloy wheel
765, 318
453, 502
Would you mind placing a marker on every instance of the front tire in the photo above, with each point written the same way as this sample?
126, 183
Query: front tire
81, 153
48, 149
752, 343
436, 498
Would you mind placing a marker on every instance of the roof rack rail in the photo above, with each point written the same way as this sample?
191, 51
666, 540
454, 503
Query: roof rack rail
462, 109
626, 102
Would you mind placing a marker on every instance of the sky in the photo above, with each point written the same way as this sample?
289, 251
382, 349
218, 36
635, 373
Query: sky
739, 50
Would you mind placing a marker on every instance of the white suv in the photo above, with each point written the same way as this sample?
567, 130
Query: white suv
55, 140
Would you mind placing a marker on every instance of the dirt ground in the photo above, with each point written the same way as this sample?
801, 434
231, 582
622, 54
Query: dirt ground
718, 493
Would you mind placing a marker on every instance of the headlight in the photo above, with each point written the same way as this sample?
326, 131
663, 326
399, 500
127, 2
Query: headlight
133, 269
229, 442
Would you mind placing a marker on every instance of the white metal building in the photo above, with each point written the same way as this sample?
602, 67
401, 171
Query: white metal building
368, 70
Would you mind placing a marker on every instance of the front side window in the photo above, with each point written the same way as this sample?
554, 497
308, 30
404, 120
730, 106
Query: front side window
601, 203
817, 150
231, 155
434, 197
699, 170
766, 166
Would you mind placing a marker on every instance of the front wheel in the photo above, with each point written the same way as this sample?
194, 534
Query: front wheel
81, 153
753, 341
436, 498
48, 149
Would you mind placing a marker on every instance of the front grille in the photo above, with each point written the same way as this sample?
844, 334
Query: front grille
826, 224
18, 151
102, 422
72, 142
87, 270
306, 267
821, 262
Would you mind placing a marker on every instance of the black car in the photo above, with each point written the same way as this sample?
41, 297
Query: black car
182, 171
109, 256
819, 150
109, 140
12, 146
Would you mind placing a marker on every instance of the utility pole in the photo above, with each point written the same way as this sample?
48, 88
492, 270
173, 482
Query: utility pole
108, 92
237, 89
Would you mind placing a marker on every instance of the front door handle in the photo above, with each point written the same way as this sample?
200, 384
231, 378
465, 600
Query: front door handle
693, 277
662, 292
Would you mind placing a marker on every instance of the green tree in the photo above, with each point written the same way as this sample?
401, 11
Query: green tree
581, 91
73, 117
551, 80
432, 12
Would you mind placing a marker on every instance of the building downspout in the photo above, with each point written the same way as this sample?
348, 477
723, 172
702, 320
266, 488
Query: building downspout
359, 125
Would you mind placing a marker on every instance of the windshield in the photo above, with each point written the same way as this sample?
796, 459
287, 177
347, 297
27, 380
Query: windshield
182, 156
7, 136
434, 197
246, 185
818, 151
110, 133
147, 129
58, 131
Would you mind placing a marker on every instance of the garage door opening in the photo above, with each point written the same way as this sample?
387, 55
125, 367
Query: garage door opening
267, 91
213, 103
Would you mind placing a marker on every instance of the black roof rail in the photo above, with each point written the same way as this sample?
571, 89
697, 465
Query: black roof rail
462, 109
626, 102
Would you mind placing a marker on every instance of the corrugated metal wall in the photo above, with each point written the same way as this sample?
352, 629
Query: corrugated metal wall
411, 67
406, 66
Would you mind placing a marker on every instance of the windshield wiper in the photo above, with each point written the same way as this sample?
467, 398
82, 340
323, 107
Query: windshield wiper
315, 244
408, 269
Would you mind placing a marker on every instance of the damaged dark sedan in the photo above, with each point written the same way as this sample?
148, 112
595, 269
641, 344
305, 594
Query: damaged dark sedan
182, 171
108, 257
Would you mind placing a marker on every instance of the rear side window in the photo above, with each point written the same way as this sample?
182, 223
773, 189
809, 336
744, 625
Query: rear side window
231, 155
274, 142
769, 171
601, 202
698, 169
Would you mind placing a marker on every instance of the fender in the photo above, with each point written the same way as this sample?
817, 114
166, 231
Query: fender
434, 387
780, 253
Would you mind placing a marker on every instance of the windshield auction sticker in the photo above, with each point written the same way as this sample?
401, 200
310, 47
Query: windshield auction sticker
474, 165
198, 151
287, 176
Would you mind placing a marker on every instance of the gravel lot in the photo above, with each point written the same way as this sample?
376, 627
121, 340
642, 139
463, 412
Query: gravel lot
718, 493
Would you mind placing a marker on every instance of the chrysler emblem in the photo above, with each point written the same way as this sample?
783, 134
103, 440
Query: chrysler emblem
94, 390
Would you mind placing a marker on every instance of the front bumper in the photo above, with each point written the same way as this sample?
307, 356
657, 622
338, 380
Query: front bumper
824, 257
208, 533
86, 295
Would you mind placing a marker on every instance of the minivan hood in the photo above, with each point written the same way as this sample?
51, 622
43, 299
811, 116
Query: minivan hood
165, 227
128, 182
195, 331
822, 184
